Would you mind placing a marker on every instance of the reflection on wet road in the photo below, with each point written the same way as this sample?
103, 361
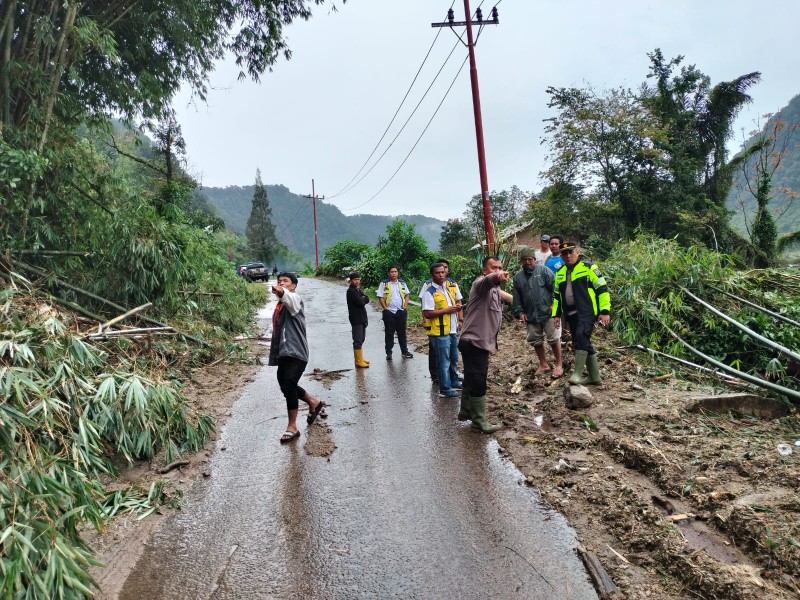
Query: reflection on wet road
412, 504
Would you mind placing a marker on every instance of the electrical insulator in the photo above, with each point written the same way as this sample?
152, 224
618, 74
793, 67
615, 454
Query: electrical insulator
450, 15
494, 14
479, 14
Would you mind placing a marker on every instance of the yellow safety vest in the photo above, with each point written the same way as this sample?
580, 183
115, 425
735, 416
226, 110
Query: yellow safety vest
440, 325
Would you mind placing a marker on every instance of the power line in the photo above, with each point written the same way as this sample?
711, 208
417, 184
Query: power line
424, 60
439, 72
452, 83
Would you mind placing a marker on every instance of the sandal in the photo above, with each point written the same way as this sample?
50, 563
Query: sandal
289, 435
312, 415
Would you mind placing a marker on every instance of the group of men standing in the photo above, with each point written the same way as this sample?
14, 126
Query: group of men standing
554, 282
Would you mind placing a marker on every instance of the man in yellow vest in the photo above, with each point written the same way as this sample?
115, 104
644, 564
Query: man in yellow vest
441, 305
393, 295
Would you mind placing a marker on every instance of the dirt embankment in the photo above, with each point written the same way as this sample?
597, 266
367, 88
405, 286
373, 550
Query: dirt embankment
676, 504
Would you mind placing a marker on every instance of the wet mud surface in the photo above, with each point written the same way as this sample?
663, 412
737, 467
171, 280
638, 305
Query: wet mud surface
389, 497
623, 471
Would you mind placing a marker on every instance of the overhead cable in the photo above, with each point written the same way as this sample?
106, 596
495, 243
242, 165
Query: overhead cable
452, 83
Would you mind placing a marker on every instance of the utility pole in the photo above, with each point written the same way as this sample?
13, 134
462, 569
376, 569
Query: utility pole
476, 105
313, 197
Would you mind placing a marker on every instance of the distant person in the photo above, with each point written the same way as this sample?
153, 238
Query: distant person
582, 298
453, 286
479, 340
274, 272
288, 351
543, 253
357, 313
555, 262
533, 304
441, 304
393, 295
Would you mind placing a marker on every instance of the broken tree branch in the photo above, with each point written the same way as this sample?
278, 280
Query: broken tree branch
128, 332
682, 361
132, 311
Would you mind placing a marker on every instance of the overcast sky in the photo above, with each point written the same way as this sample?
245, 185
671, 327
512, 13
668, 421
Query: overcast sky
320, 114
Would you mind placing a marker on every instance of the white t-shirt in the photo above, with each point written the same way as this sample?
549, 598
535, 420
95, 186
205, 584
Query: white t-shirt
541, 257
428, 303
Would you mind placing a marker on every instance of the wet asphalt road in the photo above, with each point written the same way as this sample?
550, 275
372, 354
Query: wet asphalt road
412, 504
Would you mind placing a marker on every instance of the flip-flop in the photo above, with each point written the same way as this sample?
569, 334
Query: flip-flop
555, 375
312, 416
289, 435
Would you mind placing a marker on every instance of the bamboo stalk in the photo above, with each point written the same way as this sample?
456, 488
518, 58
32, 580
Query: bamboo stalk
761, 308
69, 286
747, 330
132, 311
126, 332
51, 252
682, 361
740, 374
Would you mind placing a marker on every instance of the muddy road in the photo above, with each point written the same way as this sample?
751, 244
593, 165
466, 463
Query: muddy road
403, 501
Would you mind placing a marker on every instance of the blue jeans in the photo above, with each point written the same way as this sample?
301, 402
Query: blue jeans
446, 347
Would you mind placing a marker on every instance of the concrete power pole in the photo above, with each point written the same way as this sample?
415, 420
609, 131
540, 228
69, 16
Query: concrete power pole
476, 106
313, 197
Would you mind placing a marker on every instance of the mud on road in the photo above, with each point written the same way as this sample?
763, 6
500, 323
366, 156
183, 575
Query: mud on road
674, 504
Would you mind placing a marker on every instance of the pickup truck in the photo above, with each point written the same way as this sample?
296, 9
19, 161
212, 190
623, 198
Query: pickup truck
255, 270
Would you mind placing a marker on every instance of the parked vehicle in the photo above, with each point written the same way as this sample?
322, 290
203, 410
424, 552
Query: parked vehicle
255, 271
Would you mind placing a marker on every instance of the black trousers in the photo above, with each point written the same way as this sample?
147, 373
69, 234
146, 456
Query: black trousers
476, 368
581, 329
359, 334
290, 370
395, 323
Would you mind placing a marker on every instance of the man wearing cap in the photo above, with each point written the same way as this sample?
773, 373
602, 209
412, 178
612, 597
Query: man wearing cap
357, 313
533, 302
582, 297
393, 295
543, 253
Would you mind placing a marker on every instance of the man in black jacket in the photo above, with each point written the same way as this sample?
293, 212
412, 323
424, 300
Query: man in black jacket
357, 313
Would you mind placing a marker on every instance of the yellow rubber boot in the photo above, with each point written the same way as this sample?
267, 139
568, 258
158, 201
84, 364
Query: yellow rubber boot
358, 355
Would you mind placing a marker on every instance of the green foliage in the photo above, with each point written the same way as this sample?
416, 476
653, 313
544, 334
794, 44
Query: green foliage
456, 238
67, 404
653, 160
646, 276
344, 255
506, 207
262, 242
402, 247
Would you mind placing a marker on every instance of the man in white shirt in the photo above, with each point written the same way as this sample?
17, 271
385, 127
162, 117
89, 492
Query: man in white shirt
441, 305
543, 253
393, 295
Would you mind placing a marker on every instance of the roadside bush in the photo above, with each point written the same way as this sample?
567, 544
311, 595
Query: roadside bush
342, 255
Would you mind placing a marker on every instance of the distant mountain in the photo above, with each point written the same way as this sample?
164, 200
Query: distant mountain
785, 181
294, 221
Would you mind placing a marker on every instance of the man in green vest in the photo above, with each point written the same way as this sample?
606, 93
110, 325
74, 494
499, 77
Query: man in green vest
582, 298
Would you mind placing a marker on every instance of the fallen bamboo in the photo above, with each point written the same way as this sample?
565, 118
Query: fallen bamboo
740, 374
679, 360
132, 311
69, 286
190, 293
51, 252
761, 308
747, 330
127, 332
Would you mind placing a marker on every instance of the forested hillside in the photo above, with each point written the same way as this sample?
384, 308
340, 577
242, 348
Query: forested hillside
783, 128
294, 224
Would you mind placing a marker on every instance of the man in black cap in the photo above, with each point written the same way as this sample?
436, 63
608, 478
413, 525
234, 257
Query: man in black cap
543, 253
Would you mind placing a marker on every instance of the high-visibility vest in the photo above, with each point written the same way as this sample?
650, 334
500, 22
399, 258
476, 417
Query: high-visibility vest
587, 281
440, 325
